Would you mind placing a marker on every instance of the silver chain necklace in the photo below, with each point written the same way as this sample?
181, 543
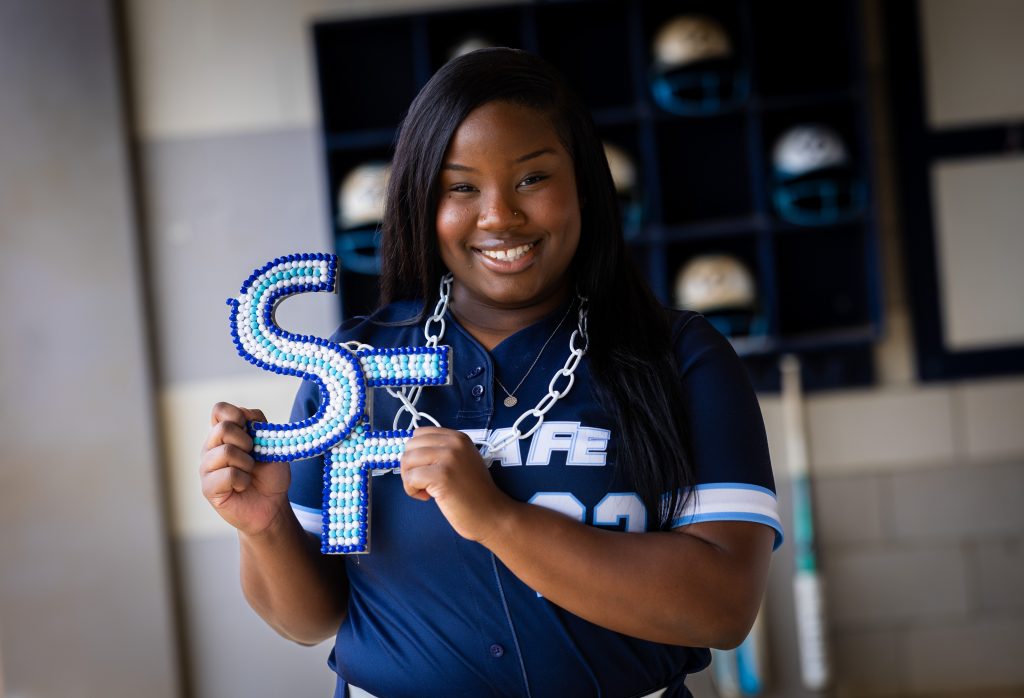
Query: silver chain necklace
578, 344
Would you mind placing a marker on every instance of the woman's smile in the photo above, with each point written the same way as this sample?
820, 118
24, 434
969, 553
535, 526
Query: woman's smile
509, 255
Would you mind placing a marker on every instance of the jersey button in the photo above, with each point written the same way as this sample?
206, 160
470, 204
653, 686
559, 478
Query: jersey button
478, 391
497, 650
476, 371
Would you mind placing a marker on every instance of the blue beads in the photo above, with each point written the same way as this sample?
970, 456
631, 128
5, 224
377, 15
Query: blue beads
350, 449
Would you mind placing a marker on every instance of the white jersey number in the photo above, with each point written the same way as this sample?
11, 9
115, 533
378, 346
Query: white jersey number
616, 508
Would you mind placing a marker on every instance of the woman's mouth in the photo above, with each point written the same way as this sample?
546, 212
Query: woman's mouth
509, 255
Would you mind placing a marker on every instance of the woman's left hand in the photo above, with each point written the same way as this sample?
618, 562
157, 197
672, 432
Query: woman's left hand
445, 465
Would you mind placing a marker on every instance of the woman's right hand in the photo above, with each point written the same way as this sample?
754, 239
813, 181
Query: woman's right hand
247, 494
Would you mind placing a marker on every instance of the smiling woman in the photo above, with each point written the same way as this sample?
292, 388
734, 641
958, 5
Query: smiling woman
639, 531
508, 219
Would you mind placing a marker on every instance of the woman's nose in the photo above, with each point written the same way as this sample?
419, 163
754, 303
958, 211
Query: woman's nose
499, 214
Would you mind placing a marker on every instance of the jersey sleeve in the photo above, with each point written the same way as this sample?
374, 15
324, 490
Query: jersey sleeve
726, 438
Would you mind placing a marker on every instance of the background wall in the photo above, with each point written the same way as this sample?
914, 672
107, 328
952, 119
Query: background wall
919, 486
85, 586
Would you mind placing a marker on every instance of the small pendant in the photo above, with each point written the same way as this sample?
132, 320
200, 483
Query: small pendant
511, 401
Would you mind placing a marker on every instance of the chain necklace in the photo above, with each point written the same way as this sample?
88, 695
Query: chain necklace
578, 344
510, 397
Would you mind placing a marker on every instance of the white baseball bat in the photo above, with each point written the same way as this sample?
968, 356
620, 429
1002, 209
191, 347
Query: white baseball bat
808, 585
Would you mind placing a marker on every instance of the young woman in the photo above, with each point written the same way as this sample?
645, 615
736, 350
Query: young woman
601, 554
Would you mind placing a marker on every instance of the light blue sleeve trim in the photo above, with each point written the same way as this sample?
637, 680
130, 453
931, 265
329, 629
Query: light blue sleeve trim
734, 516
735, 486
309, 518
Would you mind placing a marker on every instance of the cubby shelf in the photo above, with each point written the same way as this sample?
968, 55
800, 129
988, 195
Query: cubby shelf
706, 182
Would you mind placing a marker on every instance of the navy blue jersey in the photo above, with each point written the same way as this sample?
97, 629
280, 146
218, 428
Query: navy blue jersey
430, 613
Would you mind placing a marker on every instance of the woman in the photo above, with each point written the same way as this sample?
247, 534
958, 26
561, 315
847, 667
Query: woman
602, 553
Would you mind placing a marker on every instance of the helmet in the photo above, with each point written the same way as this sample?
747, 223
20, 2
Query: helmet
360, 211
814, 179
808, 148
719, 286
695, 70
361, 195
624, 175
622, 167
715, 281
688, 39
468, 44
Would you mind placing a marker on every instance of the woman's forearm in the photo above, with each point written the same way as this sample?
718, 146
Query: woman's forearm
674, 587
296, 590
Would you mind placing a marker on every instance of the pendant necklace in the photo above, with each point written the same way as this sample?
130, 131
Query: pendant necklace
433, 331
510, 396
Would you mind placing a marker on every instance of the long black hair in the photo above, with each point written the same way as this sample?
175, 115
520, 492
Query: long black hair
635, 374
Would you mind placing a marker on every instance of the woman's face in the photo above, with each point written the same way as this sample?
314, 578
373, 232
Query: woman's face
508, 218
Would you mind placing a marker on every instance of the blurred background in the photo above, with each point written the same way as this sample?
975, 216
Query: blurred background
841, 181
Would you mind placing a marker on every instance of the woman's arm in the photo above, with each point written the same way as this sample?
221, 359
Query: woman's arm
699, 585
296, 590
299, 592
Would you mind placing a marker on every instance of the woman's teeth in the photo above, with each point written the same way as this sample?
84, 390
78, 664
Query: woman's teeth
508, 255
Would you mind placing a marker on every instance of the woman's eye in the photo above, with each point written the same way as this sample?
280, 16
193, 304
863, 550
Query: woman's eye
532, 179
460, 188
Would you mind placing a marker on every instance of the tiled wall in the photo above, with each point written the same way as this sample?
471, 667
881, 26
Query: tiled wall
919, 491
919, 503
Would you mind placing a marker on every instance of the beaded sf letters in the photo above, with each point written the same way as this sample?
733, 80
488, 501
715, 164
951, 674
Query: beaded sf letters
340, 429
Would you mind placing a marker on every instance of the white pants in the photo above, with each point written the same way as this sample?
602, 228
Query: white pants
356, 692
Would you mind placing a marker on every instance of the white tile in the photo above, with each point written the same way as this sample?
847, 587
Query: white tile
880, 429
215, 67
851, 509
217, 208
998, 567
869, 663
971, 657
993, 413
972, 61
958, 503
205, 67
889, 588
232, 652
185, 422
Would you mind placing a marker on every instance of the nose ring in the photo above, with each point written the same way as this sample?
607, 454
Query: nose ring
515, 213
